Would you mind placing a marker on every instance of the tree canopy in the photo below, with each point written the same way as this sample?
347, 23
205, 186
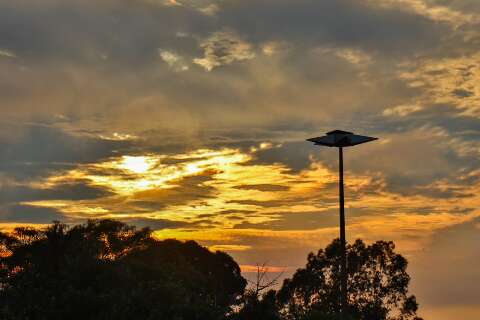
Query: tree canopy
377, 285
108, 270
105, 269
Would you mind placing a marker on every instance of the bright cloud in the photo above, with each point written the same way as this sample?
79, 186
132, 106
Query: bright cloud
7, 53
224, 48
173, 60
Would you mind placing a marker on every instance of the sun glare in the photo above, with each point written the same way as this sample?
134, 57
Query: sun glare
136, 164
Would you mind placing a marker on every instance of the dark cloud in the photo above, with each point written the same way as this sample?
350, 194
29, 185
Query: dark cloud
295, 155
341, 23
283, 221
186, 190
121, 35
155, 224
233, 211
296, 221
440, 115
64, 191
24, 171
29, 214
462, 93
41, 150
93, 34
264, 204
132, 31
452, 192
427, 161
263, 187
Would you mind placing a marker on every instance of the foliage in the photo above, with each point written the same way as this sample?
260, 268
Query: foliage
377, 285
105, 269
108, 270
263, 307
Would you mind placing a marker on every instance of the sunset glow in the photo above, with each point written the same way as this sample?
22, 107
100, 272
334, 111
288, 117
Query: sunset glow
135, 164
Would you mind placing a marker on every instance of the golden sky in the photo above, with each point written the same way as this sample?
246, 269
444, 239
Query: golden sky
190, 117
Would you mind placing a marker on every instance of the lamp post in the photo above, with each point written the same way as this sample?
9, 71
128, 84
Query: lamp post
341, 139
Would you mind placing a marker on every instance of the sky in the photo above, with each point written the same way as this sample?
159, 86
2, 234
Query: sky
190, 117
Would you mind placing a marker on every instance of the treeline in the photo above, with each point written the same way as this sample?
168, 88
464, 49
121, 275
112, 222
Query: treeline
105, 269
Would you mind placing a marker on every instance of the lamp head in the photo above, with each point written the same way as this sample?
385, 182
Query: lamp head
339, 138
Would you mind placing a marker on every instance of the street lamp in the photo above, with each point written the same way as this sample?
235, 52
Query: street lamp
341, 139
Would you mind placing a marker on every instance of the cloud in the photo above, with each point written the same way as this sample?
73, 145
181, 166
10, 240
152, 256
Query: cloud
62, 191
271, 48
138, 94
155, 224
451, 246
263, 187
207, 7
187, 190
436, 10
224, 48
210, 10
296, 221
227, 247
41, 150
256, 268
7, 53
355, 24
259, 203
98, 121
29, 214
175, 61
295, 155
353, 56
401, 111
447, 81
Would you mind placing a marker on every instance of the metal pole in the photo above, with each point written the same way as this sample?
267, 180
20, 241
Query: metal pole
343, 269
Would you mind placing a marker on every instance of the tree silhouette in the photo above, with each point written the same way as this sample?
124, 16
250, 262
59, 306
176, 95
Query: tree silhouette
259, 299
108, 270
105, 269
377, 285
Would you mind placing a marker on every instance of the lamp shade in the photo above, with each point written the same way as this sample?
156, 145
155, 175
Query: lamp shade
339, 138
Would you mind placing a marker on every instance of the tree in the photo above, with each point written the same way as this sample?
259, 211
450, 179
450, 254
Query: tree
377, 285
259, 299
109, 270
105, 269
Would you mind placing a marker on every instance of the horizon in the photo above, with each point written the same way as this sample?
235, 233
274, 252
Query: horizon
191, 117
